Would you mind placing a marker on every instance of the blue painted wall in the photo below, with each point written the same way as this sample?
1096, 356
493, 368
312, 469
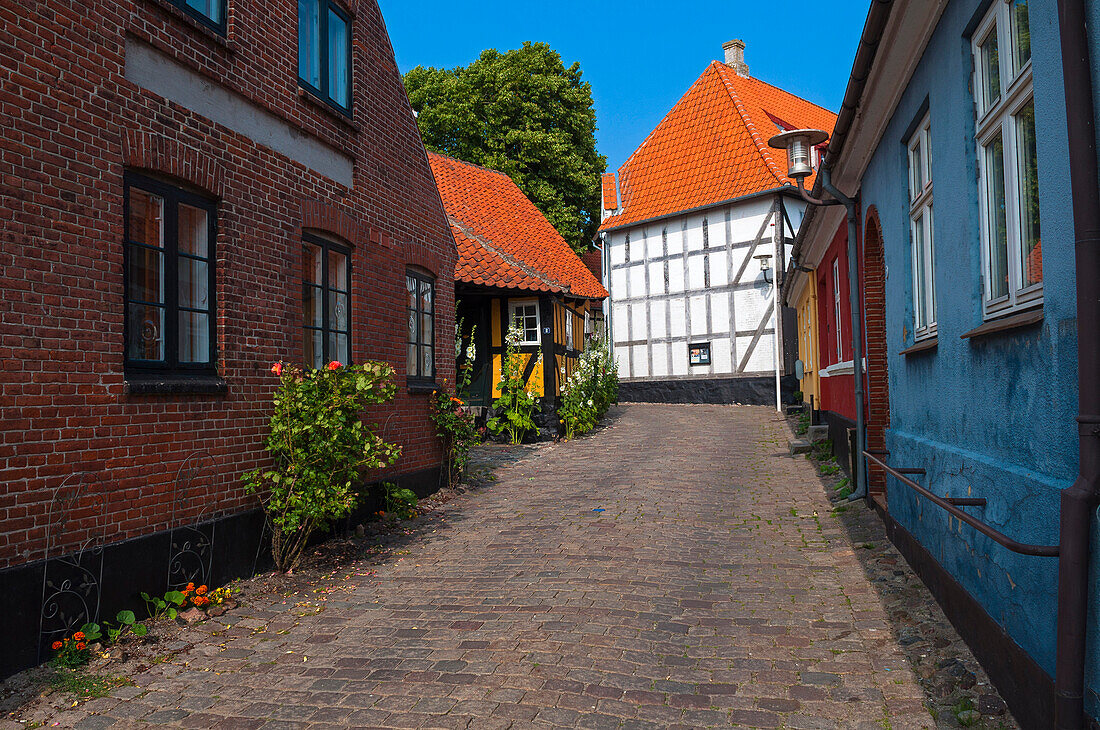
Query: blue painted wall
991, 416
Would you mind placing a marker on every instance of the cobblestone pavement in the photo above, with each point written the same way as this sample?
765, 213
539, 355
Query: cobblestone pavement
675, 569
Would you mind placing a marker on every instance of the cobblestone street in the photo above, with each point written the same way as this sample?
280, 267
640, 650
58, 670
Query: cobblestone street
675, 569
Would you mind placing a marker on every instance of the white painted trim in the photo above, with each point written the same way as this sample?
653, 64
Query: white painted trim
848, 367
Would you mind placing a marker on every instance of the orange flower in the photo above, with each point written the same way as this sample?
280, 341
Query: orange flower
457, 400
56, 645
334, 365
200, 590
80, 646
190, 586
79, 636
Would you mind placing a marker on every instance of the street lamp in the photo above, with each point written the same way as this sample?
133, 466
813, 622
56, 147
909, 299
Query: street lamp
765, 265
799, 143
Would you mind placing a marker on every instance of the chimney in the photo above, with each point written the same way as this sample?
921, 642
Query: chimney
735, 56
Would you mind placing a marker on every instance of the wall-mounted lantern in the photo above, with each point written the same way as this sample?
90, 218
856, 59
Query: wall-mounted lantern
765, 265
799, 144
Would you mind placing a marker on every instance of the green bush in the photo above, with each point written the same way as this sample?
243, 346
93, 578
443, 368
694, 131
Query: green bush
590, 390
320, 447
401, 503
516, 405
455, 426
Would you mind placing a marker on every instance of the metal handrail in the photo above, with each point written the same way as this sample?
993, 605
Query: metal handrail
1045, 551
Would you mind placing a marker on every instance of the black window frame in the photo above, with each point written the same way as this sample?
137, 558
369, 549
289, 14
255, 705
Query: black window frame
321, 93
326, 329
218, 25
418, 377
173, 196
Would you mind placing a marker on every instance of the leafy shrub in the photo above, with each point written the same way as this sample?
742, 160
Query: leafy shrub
72, 651
401, 503
590, 390
320, 446
516, 405
166, 607
456, 430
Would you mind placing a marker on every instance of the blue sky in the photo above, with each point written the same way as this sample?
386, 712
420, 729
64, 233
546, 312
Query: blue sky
641, 56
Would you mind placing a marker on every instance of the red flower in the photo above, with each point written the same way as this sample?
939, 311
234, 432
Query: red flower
334, 365
79, 636
80, 646
277, 368
56, 645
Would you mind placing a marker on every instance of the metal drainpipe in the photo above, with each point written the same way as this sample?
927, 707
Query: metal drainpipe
859, 477
1079, 501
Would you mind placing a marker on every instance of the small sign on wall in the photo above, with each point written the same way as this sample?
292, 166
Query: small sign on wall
699, 353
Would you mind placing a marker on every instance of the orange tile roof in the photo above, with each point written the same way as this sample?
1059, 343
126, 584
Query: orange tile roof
610, 193
503, 240
712, 147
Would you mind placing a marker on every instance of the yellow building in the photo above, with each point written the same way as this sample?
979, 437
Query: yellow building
802, 296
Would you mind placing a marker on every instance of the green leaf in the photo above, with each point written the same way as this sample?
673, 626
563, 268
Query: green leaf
126, 618
175, 597
140, 629
172, 613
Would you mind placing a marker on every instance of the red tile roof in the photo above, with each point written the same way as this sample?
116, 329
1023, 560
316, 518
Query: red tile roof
503, 240
712, 147
610, 193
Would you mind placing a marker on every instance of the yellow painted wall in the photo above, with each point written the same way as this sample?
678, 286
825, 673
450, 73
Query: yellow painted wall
536, 382
806, 309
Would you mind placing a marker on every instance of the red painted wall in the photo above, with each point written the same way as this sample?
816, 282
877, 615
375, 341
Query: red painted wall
71, 125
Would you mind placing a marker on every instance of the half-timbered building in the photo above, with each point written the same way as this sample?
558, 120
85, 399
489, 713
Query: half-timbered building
695, 225
514, 267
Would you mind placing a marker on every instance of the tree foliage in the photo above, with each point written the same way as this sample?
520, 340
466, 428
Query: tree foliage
525, 114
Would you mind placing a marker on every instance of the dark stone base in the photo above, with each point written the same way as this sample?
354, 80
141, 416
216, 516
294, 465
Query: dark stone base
239, 548
1024, 685
838, 433
756, 390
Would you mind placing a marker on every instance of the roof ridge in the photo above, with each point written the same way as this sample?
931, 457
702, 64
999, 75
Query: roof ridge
470, 164
746, 119
792, 95
508, 258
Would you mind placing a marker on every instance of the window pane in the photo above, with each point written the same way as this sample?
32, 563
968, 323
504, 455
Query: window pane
309, 42
410, 287
194, 337
194, 230
1029, 196
930, 247
425, 296
338, 347
338, 311
194, 283
1021, 36
427, 366
311, 263
411, 367
919, 278
997, 235
146, 332
916, 173
210, 8
991, 70
337, 59
337, 271
426, 329
312, 314
314, 345
412, 325
146, 275
146, 218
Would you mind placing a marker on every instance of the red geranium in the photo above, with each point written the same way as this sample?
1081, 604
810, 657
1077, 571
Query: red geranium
334, 365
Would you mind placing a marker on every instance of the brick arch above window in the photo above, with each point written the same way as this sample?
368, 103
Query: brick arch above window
159, 154
323, 216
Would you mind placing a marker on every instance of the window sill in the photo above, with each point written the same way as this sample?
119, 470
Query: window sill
175, 385
925, 345
1011, 322
218, 37
422, 388
344, 117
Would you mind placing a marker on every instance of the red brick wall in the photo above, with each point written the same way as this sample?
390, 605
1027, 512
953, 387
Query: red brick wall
71, 124
874, 307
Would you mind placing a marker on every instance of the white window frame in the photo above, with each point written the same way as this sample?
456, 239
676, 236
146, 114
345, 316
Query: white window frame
922, 247
513, 305
836, 310
1000, 117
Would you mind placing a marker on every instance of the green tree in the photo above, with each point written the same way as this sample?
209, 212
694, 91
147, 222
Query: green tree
525, 114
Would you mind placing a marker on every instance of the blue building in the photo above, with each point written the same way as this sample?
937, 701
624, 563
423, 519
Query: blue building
955, 145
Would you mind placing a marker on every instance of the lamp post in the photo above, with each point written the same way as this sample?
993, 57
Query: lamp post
799, 144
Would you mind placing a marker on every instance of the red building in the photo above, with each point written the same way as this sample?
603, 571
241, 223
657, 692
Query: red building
189, 193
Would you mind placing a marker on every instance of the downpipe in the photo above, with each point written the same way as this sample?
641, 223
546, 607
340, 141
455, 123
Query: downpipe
860, 477
1079, 502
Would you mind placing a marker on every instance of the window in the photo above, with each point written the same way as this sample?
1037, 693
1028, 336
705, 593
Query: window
326, 292
569, 328
207, 12
922, 248
421, 342
1012, 258
525, 315
836, 310
324, 51
169, 274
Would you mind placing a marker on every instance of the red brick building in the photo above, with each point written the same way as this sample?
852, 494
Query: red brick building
191, 190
